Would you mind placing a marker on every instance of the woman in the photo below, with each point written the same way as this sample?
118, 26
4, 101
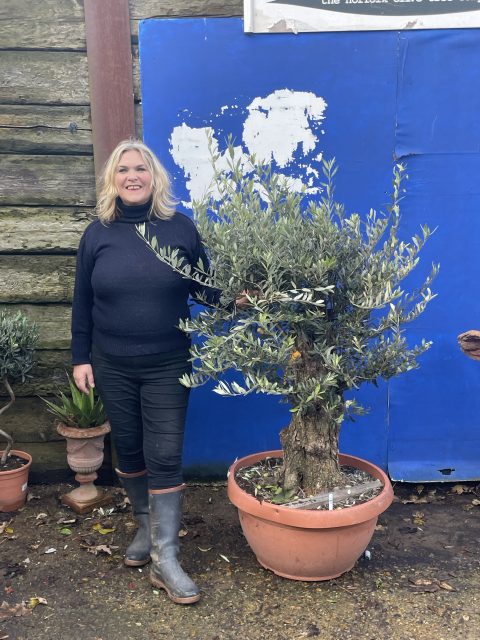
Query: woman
125, 341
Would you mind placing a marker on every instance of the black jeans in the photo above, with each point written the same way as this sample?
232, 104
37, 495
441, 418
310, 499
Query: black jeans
146, 406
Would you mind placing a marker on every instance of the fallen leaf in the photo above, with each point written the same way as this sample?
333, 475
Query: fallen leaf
414, 498
66, 521
15, 611
8, 530
421, 582
3, 526
33, 602
430, 585
460, 488
418, 518
446, 586
66, 531
100, 529
104, 512
100, 548
103, 548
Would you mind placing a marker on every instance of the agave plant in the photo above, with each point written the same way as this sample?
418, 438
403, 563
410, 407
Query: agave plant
77, 409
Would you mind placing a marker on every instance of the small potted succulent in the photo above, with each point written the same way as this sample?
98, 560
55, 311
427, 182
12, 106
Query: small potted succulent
18, 338
321, 312
81, 420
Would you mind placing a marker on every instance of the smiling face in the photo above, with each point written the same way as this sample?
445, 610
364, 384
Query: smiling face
133, 179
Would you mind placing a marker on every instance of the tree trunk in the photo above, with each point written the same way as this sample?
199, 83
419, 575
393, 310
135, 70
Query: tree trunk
8, 437
310, 445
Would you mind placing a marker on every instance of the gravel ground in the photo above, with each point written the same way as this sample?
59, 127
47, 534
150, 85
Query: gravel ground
422, 581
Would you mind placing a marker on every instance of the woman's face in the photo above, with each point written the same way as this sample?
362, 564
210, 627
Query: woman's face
133, 180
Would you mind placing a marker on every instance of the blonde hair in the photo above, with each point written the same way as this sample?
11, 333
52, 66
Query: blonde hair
163, 202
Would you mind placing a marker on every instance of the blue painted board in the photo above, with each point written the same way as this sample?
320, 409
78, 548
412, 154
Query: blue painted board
413, 96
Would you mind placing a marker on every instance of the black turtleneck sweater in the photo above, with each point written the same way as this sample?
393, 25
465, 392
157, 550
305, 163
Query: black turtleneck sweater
126, 301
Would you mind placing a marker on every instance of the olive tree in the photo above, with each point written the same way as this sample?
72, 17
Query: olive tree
325, 304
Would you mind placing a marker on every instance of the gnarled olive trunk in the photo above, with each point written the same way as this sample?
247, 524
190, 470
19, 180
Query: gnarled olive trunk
310, 442
310, 445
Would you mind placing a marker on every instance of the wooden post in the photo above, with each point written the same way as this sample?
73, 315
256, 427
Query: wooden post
109, 54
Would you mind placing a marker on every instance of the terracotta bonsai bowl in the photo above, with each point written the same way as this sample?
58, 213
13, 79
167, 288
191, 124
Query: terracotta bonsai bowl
308, 544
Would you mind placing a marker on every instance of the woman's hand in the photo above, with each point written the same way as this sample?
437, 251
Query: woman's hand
470, 343
83, 376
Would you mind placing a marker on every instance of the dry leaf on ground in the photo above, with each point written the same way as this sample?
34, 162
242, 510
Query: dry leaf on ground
101, 548
33, 602
461, 488
4, 526
103, 530
13, 611
418, 518
429, 585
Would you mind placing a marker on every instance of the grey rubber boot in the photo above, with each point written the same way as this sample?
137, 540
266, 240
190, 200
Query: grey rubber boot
136, 486
166, 572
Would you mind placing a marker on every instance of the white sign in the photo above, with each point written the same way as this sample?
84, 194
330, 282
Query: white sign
295, 16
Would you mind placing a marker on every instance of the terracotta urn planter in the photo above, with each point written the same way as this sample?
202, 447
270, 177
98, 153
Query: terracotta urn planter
308, 544
85, 457
14, 483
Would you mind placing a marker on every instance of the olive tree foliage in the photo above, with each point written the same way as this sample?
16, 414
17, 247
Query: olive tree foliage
325, 303
18, 338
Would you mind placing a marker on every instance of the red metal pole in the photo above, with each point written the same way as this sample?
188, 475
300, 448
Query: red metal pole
109, 54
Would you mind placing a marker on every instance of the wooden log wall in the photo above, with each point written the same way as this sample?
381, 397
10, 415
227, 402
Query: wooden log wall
47, 191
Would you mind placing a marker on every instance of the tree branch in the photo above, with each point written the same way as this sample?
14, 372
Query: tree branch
9, 438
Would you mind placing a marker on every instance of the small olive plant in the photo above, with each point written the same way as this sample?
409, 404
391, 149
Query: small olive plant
18, 339
77, 409
325, 304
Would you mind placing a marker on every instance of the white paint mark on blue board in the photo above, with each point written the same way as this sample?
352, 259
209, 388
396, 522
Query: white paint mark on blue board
284, 127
